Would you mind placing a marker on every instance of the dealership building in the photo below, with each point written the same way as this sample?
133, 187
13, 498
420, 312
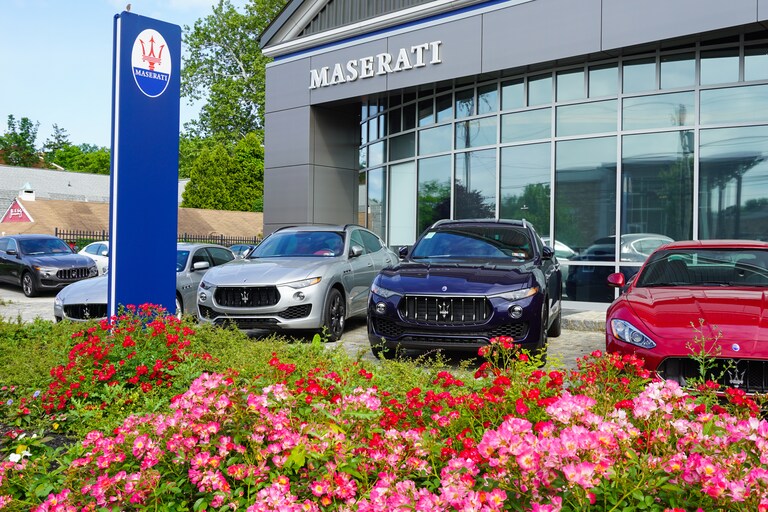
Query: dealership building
598, 121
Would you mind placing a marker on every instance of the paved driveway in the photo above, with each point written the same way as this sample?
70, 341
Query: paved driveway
582, 333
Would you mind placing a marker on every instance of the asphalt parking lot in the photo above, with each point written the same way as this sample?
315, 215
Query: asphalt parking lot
582, 330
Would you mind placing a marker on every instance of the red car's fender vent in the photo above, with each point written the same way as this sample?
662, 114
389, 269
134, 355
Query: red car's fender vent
751, 375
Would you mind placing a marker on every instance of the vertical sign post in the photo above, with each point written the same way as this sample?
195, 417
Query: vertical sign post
143, 216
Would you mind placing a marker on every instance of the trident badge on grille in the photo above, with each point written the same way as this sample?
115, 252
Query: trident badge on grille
444, 310
244, 296
735, 377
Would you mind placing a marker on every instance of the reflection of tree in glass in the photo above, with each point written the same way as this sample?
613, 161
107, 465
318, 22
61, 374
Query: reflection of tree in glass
471, 204
434, 203
532, 205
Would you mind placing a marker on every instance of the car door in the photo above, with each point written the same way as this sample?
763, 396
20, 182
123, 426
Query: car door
359, 276
5, 261
188, 279
382, 258
11, 265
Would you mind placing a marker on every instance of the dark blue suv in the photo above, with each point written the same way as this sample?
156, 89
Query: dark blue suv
465, 282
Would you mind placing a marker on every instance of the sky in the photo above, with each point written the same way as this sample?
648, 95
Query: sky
56, 61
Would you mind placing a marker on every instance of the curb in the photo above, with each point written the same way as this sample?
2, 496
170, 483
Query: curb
584, 321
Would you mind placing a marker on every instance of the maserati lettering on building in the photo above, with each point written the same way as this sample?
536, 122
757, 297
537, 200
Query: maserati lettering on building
417, 56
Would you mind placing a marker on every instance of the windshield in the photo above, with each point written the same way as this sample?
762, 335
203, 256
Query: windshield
706, 267
325, 244
181, 260
40, 246
496, 242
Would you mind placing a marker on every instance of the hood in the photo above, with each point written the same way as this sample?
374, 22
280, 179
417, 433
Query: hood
269, 271
739, 314
61, 261
87, 291
466, 280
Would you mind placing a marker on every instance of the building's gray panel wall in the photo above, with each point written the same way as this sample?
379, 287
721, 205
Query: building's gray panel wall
287, 85
461, 44
762, 10
336, 190
539, 31
287, 135
361, 86
288, 196
336, 137
629, 22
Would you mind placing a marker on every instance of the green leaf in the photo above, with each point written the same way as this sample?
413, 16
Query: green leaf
297, 458
43, 489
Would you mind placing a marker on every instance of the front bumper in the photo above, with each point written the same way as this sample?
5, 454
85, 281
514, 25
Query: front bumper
390, 329
294, 309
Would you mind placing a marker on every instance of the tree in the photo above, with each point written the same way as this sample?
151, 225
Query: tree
226, 177
18, 143
86, 158
57, 141
225, 68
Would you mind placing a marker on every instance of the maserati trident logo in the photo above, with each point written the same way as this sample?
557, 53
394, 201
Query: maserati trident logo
151, 63
244, 296
86, 313
736, 377
444, 310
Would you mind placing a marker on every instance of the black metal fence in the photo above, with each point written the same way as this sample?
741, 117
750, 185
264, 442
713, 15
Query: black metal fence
81, 238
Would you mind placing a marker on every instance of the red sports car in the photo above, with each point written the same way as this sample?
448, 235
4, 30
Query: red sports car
695, 297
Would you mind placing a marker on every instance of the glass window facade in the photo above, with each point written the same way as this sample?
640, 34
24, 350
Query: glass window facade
611, 158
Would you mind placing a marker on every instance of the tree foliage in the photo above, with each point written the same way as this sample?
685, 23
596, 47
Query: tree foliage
18, 142
225, 68
85, 158
227, 177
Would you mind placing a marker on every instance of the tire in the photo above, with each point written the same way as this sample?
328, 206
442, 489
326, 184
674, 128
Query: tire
557, 325
179, 308
542, 350
28, 285
334, 315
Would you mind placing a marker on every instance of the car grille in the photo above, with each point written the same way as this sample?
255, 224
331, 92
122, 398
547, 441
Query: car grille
247, 323
747, 374
294, 312
247, 296
436, 310
389, 329
67, 274
85, 311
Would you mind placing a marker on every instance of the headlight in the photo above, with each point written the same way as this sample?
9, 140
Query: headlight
57, 302
517, 294
628, 333
46, 271
205, 286
93, 271
303, 283
383, 292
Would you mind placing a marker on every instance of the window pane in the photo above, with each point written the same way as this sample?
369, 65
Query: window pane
435, 140
659, 111
657, 186
402, 220
373, 129
540, 90
362, 199
434, 201
570, 85
444, 107
377, 202
603, 81
409, 117
584, 118
756, 63
465, 103
476, 184
528, 125
376, 153
525, 184
479, 132
362, 158
426, 115
719, 66
733, 182
639, 75
394, 120
678, 71
487, 99
512, 94
585, 191
734, 105
402, 146
363, 133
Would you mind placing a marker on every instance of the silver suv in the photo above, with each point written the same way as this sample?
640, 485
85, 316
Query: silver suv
310, 277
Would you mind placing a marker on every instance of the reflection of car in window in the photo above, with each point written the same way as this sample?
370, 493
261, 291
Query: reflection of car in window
465, 282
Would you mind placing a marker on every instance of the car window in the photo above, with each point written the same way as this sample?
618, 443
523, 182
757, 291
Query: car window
39, 246
103, 249
220, 255
181, 260
300, 244
200, 255
717, 267
356, 238
371, 241
4, 244
479, 242
12, 245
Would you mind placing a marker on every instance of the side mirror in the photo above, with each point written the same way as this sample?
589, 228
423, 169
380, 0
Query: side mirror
403, 251
11, 252
616, 280
548, 253
201, 265
355, 251
104, 253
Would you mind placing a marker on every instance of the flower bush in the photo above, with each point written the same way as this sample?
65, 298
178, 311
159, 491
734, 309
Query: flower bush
511, 436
